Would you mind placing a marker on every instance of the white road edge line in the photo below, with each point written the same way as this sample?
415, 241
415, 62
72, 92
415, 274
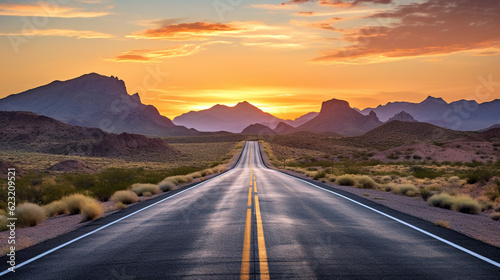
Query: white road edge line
116, 221
490, 261
483, 258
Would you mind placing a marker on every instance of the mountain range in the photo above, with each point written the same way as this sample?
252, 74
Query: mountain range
96, 101
234, 119
463, 115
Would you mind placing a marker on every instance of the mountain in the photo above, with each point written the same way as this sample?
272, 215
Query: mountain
337, 116
284, 128
397, 133
302, 119
225, 118
257, 129
402, 116
459, 115
96, 101
29, 132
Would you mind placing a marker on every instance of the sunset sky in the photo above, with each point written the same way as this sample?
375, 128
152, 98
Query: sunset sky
285, 57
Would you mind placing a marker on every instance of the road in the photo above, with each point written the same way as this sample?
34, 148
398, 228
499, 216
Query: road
256, 223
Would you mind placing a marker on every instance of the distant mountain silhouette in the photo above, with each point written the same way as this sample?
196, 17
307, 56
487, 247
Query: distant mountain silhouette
337, 116
93, 100
302, 119
402, 116
225, 118
29, 132
284, 128
458, 115
257, 129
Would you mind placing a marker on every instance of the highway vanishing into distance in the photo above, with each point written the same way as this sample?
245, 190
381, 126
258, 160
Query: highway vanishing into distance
256, 223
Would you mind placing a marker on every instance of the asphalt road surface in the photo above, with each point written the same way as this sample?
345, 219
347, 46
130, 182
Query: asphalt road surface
256, 223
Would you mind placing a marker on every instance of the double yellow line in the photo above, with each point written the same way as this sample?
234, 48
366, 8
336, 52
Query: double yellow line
245, 259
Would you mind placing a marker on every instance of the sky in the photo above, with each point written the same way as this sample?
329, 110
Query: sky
284, 57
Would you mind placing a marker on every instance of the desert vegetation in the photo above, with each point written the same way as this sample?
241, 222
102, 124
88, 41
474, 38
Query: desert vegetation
47, 194
469, 186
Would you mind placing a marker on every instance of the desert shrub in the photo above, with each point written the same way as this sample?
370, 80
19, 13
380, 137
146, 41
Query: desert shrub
55, 208
3, 223
392, 156
492, 191
29, 214
196, 175
166, 185
331, 178
75, 202
319, 174
421, 172
346, 180
480, 174
386, 178
454, 180
125, 197
442, 200
140, 189
147, 194
466, 204
425, 193
408, 190
120, 206
442, 223
495, 216
366, 182
91, 209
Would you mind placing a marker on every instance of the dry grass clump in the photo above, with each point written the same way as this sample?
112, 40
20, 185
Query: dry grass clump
167, 185
442, 200
55, 208
3, 223
442, 223
74, 203
401, 189
125, 197
140, 189
345, 180
91, 209
466, 204
463, 203
365, 182
29, 214
120, 206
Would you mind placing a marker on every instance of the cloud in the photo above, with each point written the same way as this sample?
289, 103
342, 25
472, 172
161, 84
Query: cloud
436, 27
46, 10
79, 34
156, 56
306, 14
337, 3
186, 31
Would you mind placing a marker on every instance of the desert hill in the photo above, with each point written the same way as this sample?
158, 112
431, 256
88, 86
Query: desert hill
96, 101
337, 116
29, 132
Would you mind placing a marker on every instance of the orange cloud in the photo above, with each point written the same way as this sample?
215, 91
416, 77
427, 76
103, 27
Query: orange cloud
436, 27
79, 34
186, 31
155, 56
46, 10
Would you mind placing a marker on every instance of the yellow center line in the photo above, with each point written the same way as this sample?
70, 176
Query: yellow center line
264, 268
245, 258
255, 186
250, 196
